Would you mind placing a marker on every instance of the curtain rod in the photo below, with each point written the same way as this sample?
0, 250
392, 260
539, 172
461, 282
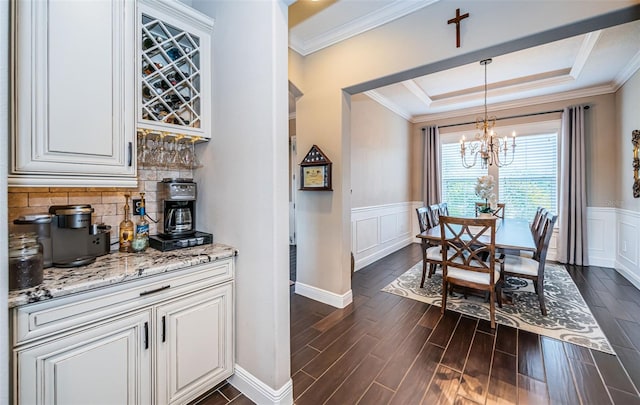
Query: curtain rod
505, 118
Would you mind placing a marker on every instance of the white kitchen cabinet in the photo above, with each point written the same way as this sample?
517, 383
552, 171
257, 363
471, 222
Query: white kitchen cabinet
106, 364
73, 85
174, 68
193, 349
165, 339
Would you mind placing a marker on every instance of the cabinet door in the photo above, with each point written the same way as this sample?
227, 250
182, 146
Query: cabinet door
106, 364
74, 64
194, 344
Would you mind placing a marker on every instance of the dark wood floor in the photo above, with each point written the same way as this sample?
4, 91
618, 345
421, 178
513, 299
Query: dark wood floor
387, 349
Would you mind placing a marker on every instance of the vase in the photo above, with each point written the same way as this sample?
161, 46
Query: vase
485, 215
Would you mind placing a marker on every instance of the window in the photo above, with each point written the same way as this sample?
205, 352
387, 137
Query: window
527, 183
531, 181
458, 183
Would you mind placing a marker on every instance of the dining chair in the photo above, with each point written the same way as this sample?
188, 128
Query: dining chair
470, 258
431, 254
435, 211
532, 268
499, 211
423, 218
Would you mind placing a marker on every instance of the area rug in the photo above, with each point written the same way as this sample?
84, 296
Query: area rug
568, 316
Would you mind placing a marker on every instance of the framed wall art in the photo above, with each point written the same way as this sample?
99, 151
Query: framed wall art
315, 171
635, 140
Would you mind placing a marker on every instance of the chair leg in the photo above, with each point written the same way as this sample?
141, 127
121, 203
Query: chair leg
492, 309
543, 306
499, 293
424, 264
432, 269
443, 307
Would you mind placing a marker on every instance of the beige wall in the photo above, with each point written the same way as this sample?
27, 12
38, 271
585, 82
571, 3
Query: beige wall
628, 119
245, 180
601, 150
380, 154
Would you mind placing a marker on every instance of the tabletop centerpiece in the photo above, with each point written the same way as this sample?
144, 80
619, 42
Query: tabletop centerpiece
484, 189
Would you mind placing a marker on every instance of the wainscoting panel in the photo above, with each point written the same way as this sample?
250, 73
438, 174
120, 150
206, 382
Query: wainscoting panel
601, 234
628, 245
377, 231
366, 234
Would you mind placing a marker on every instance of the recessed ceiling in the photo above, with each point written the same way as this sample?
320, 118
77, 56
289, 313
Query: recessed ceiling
585, 65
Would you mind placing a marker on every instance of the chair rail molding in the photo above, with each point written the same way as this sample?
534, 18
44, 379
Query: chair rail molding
379, 230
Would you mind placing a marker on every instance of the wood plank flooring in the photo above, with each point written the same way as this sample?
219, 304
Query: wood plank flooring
385, 349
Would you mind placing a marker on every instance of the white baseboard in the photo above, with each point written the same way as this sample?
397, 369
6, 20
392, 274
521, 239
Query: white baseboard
324, 296
628, 274
259, 392
379, 254
602, 262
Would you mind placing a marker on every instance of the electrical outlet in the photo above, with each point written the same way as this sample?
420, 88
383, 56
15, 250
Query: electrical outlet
136, 205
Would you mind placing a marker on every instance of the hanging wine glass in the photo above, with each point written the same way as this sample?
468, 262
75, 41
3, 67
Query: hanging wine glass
173, 159
152, 150
195, 163
161, 156
184, 154
143, 151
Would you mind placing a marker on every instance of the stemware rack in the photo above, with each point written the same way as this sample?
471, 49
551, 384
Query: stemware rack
167, 150
170, 75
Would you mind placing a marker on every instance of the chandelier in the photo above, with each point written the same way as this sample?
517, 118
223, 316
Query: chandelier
486, 144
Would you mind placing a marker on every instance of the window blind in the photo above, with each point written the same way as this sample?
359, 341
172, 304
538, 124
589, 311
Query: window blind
458, 183
532, 179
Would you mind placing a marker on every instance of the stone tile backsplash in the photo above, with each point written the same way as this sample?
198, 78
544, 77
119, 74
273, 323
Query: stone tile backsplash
108, 203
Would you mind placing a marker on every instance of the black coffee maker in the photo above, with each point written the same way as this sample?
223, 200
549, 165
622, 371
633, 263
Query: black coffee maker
177, 198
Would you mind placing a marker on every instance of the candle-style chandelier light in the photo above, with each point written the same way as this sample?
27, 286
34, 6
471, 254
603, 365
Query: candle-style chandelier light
491, 149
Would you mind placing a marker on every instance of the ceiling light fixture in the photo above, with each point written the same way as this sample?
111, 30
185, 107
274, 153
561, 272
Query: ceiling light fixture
487, 144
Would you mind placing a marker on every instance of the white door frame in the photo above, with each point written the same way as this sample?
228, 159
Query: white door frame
293, 181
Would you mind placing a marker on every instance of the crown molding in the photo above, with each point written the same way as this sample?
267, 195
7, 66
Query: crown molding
393, 11
385, 102
568, 95
627, 72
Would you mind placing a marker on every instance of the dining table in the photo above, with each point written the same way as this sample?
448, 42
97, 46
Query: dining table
511, 233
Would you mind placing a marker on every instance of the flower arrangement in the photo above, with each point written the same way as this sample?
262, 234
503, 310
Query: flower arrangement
484, 190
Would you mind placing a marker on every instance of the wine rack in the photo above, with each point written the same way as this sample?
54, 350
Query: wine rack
174, 91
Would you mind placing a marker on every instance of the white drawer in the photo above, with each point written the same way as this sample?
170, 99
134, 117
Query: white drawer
61, 314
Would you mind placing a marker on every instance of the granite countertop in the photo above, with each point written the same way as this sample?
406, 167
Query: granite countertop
114, 268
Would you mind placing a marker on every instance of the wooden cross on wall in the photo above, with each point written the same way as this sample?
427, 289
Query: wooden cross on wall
458, 18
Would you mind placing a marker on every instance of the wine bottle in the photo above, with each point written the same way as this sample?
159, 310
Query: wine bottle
125, 232
141, 240
147, 43
161, 86
147, 70
146, 93
174, 53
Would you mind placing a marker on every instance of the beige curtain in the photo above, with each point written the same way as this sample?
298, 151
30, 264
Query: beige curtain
572, 234
431, 193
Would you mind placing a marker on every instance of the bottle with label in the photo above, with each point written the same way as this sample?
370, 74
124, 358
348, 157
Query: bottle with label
126, 229
141, 240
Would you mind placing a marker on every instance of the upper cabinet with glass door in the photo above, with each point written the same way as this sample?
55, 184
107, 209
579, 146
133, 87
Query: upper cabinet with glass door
174, 90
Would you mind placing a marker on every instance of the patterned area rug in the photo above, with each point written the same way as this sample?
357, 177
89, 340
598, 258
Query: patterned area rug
568, 316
